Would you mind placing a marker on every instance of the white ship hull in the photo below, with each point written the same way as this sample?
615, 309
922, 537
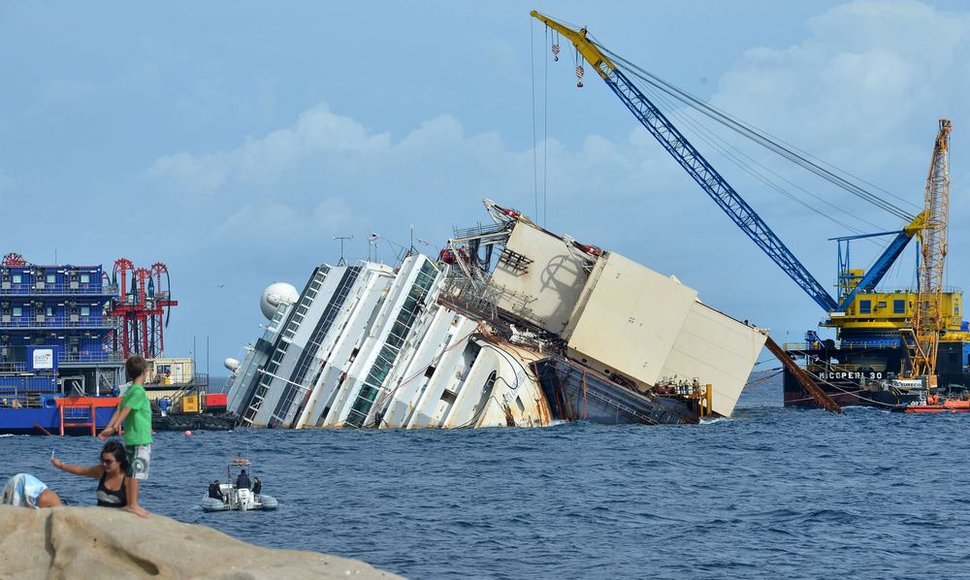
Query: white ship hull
435, 344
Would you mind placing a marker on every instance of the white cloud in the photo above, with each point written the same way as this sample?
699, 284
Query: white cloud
324, 151
863, 90
867, 69
266, 159
262, 220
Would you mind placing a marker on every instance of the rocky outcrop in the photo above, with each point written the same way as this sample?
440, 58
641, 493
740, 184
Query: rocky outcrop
83, 543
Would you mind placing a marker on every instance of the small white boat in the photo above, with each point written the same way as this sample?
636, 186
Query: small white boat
241, 499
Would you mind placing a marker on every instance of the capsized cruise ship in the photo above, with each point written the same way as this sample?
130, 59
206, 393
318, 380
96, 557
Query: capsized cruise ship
510, 325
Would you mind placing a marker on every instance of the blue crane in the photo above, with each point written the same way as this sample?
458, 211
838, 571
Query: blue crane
714, 184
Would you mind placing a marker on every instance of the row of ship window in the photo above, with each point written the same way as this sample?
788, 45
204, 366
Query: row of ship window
899, 307
51, 278
18, 311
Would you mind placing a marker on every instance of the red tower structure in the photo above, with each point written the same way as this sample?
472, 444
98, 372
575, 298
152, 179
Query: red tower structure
143, 307
14, 260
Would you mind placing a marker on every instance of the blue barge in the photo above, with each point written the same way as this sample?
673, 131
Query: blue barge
59, 361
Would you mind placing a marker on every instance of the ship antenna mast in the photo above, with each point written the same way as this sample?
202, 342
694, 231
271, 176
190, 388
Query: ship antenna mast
342, 261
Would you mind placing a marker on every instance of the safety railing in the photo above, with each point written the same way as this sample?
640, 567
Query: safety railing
16, 366
90, 357
13, 367
48, 322
860, 345
56, 289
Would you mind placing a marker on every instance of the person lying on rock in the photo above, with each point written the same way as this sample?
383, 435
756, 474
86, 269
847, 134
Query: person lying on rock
25, 490
110, 473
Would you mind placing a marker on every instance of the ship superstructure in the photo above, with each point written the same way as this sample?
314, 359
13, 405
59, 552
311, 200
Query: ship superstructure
55, 340
53, 330
511, 325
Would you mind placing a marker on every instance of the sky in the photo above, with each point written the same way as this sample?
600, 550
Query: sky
234, 141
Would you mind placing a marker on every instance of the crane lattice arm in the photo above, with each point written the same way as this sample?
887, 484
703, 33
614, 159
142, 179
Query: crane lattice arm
929, 322
694, 163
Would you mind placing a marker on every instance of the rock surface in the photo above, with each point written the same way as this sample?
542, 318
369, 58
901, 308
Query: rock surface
86, 543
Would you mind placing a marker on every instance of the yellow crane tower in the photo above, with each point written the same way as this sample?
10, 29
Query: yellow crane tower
930, 322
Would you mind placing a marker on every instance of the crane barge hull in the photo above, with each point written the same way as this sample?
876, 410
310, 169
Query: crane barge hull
869, 376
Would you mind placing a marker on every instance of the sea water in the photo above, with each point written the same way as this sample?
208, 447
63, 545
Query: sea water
771, 492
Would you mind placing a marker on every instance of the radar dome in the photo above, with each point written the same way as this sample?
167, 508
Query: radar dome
275, 294
231, 364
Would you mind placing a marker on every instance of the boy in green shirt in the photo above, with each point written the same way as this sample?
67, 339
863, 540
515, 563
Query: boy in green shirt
135, 412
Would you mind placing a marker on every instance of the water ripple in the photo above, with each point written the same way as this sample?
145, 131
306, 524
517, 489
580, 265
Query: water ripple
768, 493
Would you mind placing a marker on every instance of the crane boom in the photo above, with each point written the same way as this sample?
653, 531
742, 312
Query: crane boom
929, 322
882, 264
694, 163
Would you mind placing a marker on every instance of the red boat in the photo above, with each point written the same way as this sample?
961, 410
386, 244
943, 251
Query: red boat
934, 404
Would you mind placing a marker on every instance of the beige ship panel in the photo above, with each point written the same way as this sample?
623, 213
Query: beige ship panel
715, 349
630, 321
518, 401
537, 278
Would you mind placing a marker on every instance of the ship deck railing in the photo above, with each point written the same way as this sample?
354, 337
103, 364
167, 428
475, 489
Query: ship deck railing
23, 400
13, 367
99, 357
51, 322
806, 347
196, 380
31, 289
7, 367
479, 231
945, 290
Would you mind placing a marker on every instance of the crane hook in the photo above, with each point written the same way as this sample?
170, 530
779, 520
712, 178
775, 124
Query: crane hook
579, 76
555, 52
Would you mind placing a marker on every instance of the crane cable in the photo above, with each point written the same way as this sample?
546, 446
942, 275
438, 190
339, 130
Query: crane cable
541, 214
785, 150
778, 147
535, 153
735, 155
